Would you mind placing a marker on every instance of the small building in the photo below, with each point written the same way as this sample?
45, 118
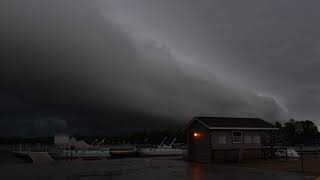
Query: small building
213, 139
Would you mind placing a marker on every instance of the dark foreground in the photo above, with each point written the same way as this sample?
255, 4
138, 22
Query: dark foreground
137, 168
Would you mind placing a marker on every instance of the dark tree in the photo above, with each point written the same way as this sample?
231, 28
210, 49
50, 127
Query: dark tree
290, 136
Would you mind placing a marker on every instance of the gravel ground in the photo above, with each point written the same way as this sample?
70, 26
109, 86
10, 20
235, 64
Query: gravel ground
137, 168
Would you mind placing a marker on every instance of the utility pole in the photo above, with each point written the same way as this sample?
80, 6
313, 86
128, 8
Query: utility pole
299, 131
301, 158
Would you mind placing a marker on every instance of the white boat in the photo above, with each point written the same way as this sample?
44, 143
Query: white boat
70, 148
101, 153
161, 150
123, 150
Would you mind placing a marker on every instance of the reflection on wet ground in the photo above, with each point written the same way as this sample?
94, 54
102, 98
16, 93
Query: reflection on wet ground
136, 168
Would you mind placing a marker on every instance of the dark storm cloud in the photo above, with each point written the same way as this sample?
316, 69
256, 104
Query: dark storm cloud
66, 67
271, 47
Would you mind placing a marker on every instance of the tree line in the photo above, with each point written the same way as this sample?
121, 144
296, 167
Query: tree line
297, 132
154, 136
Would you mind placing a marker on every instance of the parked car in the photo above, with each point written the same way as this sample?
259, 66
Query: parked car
281, 153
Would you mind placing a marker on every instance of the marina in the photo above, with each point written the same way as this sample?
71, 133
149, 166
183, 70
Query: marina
68, 148
161, 150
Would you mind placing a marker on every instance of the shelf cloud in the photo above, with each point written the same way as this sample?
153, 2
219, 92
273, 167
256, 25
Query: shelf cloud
69, 66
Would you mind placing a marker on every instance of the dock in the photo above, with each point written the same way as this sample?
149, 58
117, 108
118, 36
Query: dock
35, 157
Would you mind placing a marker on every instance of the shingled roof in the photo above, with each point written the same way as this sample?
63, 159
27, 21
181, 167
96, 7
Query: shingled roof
234, 123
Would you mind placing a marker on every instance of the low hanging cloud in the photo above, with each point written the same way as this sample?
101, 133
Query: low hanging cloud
66, 67
270, 47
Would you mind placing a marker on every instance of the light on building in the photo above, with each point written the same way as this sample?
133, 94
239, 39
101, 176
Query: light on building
196, 134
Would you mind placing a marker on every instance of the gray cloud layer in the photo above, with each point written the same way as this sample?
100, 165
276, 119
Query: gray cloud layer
69, 66
271, 47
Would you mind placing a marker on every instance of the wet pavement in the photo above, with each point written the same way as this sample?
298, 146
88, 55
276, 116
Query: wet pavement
137, 168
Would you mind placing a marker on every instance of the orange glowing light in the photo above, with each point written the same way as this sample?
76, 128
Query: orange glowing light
196, 134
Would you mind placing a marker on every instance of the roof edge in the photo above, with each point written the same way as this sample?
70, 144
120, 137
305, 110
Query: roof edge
236, 128
243, 128
204, 124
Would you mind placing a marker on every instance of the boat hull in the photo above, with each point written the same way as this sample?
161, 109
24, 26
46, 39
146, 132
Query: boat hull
160, 152
82, 154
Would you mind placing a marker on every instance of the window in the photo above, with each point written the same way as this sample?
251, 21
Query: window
222, 139
247, 139
237, 137
256, 139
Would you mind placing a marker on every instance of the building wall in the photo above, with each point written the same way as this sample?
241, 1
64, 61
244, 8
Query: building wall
206, 148
229, 144
233, 152
199, 147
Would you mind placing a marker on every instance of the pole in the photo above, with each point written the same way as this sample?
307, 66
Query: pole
286, 153
299, 131
272, 144
301, 158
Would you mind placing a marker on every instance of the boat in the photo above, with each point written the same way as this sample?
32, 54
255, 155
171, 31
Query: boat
119, 150
85, 154
123, 150
70, 148
161, 150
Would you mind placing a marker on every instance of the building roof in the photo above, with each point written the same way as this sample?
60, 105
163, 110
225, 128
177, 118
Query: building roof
234, 123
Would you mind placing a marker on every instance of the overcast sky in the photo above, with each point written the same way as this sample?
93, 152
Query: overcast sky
122, 65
